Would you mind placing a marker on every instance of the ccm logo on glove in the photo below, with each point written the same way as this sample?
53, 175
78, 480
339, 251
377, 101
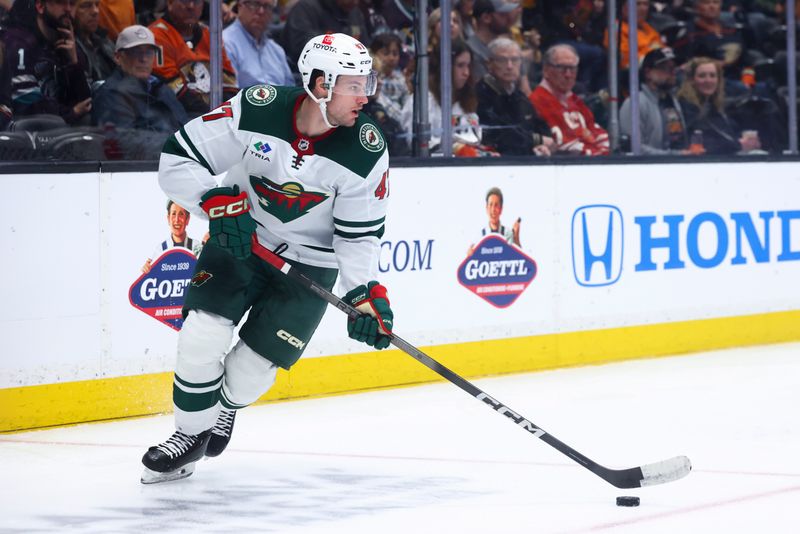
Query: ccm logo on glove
223, 206
230, 225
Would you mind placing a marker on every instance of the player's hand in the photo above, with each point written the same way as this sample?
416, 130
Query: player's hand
374, 325
230, 225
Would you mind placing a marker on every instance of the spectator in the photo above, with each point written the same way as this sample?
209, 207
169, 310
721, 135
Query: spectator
466, 124
711, 35
509, 122
255, 57
571, 121
41, 71
702, 97
394, 94
493, 18
116, 15
465, 19
435, 27
185, 56
309, 18
661, 121
132, 97
93, 44
397, 138
372, 10
647, 38
580, 24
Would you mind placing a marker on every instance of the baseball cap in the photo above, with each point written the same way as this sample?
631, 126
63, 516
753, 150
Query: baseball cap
492, 6
655, 57
134, 36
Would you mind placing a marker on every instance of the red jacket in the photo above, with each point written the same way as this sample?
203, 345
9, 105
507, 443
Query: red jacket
572, 124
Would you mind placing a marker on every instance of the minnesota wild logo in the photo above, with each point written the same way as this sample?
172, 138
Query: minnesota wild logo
371, 138
261, 95
287, 201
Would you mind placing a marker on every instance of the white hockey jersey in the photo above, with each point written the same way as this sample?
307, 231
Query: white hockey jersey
324, 197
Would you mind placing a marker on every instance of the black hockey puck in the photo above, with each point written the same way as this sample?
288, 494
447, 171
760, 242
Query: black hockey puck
627, 501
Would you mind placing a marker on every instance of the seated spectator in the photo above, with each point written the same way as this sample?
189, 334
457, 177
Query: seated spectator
647, 38
493, 19
116, 15
466, 124
185, 46
509, 122
711, 35
465, 19
132, 97
394, 91
702, 97
41, 71
93, 44
254, 55
435, 27
580, 24
309, 18
661, 121
372, 10
571, 121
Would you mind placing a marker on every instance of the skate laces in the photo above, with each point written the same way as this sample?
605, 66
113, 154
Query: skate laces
177, 444
224, 423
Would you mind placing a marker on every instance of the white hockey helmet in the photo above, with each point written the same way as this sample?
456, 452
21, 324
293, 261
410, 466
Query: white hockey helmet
336, 54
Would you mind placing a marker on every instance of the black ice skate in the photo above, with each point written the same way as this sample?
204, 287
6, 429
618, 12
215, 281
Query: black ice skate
175, 458
221, 433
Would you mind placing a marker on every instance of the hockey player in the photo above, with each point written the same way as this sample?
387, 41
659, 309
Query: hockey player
307, 174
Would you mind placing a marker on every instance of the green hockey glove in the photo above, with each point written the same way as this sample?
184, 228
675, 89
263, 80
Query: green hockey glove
229, 222
374, 325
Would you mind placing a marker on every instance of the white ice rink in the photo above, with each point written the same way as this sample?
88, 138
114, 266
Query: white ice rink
431, 459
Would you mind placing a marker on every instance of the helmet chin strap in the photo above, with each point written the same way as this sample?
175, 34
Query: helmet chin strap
323, 108
323, 105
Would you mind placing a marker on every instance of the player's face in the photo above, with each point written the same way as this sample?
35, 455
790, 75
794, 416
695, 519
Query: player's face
178, 219
349, 96
494, 208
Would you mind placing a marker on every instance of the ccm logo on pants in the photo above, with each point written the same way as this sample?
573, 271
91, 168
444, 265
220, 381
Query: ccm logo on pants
290, 339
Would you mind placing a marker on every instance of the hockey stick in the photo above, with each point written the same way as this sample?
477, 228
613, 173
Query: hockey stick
634, 477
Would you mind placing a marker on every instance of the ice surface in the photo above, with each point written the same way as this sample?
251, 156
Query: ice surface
431, 459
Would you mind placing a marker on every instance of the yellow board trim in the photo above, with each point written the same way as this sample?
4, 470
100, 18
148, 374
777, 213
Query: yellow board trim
48, 405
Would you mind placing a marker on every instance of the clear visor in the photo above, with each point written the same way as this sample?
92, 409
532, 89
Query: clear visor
349, 85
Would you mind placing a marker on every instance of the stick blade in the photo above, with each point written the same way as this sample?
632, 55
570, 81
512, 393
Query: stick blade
665, 471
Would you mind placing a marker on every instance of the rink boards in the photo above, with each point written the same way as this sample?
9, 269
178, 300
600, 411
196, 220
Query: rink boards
615, 262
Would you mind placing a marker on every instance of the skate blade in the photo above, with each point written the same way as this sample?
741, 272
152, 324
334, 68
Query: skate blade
154, 477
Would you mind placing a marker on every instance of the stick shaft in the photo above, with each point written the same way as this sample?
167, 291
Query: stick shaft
623, 478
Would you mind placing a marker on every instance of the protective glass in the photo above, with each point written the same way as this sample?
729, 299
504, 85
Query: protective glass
356, 85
